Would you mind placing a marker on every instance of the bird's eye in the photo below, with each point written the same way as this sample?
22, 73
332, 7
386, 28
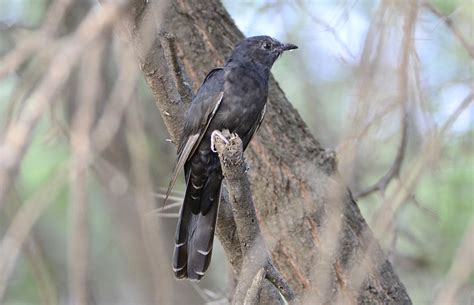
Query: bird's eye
266, 45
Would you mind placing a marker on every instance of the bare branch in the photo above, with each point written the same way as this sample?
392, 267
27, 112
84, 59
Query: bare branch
255, 253
144, 202
391, 205
81, 157
35, 41
407, 47
252, 297
452, 26
327, 27
461, 269
15, 142
394, 171
21, 225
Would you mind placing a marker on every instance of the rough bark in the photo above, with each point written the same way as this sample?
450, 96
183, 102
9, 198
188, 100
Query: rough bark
256, 262
312, 226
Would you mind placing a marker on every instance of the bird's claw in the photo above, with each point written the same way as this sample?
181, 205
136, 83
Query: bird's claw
217, 133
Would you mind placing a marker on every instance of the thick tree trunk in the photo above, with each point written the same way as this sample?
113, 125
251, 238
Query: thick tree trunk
313, 228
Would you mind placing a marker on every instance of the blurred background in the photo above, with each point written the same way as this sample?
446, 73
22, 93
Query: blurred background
383, 119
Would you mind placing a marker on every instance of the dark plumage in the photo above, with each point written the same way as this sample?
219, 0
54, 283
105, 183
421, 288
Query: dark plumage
232, 97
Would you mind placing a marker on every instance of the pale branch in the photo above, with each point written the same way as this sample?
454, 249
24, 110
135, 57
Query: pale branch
452, 26
36, 40
254, 251
81, 156
21, 225
462, 267
327, 27
17, 136
252, 296
392, 204
394, 170
403, 78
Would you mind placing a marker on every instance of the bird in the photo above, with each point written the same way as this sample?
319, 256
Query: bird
232, 98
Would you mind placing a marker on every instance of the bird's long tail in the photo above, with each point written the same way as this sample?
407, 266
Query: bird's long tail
195, 229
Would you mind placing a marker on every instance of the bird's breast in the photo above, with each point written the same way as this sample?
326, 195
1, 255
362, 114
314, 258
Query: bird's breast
242, 104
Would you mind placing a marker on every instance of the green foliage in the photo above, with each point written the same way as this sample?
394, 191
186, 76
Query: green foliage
42, 159
448, 6
445, 191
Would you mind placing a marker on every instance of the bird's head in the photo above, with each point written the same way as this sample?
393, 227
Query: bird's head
261, 50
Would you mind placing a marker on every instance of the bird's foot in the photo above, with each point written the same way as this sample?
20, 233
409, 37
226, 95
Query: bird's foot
217, 133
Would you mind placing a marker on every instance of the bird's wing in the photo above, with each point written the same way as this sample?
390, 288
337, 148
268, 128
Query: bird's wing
254, 129
198, 118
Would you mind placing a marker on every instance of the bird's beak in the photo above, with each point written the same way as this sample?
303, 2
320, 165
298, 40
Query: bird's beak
288, 46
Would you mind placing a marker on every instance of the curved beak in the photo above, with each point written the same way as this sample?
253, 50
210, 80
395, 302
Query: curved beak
288, 46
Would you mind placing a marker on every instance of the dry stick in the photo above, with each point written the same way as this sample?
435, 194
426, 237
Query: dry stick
252, 296
16, 139
404, 189
33, 251
451, 25
19, 230
394, 171
37, 40
393, 203
461, 269
327, 27
31, 75
358, 273
144, 201
81, 157
28, 215
117, 102
369, 62
255, 253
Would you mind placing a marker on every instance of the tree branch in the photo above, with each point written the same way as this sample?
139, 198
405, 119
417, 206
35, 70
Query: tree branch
252, 296
451, 25
407, 47
394, 170
15, 141
255, 253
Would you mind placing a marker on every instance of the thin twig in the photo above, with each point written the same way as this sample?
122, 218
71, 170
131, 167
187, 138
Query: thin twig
81, 157
327, 27
452, 26
461, 269
144, 202
20, 227
358, 272
33, 251
391, 205
16, 139
394, 171
118, 101
36, 41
